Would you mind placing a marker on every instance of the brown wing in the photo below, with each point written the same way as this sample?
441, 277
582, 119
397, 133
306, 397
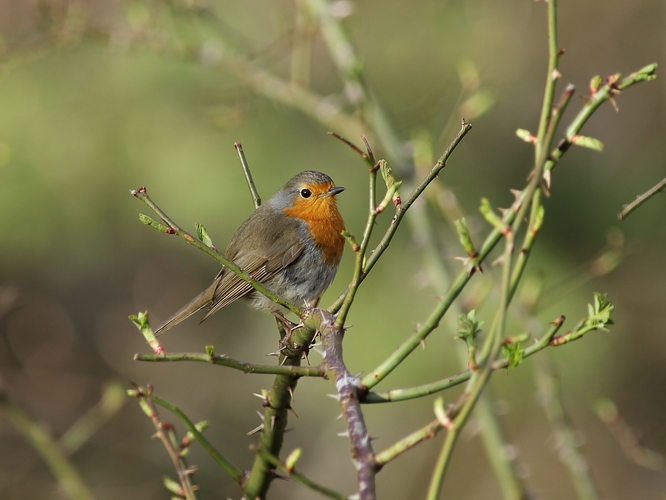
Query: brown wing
262, 268
273, 247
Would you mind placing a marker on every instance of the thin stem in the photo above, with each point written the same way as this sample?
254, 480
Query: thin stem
244, 366
363, 248
566, 436
167, 435
256, 199
627, 209
551, 79
300, 478
232, 471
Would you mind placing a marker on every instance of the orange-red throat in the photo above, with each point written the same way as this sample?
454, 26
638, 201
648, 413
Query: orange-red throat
320, 213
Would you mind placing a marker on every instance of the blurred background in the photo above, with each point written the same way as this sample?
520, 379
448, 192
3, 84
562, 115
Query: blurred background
98, 97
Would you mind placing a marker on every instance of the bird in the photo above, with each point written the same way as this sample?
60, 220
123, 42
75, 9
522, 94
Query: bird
292, 244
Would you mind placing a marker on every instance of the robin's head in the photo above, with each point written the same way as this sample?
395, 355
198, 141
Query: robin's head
308, 195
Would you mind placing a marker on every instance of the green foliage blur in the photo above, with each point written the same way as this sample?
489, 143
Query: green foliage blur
104, 96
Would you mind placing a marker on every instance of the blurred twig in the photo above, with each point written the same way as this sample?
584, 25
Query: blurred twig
609, 414
113, 399
568, 446
47, 448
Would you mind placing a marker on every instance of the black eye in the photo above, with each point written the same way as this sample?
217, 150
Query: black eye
306, 193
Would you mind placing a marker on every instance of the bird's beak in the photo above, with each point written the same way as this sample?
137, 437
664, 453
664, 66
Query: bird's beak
333, 191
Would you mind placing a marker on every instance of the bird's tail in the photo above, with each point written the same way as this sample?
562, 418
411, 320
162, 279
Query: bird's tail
194, 305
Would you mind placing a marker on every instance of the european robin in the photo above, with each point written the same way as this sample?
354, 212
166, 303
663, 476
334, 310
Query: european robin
292, 244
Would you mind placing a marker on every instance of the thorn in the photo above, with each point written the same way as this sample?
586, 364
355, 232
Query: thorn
516, 193
422, 342
293, 411
343, 434
498, 260
334, 396
556, 74
272, 423
291, 393
276, 353
261, 415
288, 429
260, 396
339, 417
558, 321
258, 428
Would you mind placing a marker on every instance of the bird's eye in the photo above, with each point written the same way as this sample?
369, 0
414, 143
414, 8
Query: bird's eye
306, 193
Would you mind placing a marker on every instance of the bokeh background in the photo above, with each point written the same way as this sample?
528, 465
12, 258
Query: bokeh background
101, 96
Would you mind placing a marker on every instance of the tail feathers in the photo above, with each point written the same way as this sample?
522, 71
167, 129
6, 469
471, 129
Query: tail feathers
193, 306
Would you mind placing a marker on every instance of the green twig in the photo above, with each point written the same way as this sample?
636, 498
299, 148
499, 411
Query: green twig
551, 80
232, 471
627, 209
244, 366
256, 199
359, 262
300, 478
166, 434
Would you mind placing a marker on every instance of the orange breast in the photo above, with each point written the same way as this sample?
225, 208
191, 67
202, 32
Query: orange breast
325, 225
